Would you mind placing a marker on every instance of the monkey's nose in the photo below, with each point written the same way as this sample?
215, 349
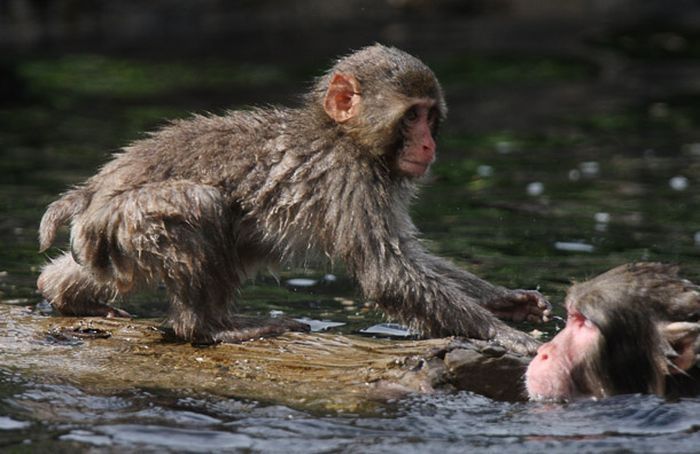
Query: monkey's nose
429, 143
544, 350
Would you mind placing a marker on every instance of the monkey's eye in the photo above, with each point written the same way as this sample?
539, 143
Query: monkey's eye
433, 120
411, 114
577, 319
432, 115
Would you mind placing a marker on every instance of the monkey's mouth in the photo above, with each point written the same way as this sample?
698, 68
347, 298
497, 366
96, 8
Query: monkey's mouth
414, 168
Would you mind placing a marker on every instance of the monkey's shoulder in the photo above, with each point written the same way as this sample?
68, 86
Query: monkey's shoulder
203, 133
252, 121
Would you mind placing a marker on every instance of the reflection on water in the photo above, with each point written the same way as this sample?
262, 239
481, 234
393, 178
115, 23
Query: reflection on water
614, 180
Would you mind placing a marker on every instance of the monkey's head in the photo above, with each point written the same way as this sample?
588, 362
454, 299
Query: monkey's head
389, 102
630, 330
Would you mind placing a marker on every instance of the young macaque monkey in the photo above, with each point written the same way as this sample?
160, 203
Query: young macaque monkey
633, 329
204, 202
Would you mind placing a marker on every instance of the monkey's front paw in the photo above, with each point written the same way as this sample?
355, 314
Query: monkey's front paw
257, 328
521, 305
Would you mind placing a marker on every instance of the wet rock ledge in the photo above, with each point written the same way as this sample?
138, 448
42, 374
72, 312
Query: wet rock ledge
318, 370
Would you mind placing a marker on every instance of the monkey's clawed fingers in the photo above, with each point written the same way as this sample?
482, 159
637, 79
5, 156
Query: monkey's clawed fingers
521, 305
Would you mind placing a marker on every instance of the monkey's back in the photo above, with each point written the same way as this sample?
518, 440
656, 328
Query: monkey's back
213, 150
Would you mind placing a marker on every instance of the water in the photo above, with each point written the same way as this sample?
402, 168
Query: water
64, 417
611, 151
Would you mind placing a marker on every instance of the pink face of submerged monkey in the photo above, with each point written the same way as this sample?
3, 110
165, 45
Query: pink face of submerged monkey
549, 375
616, 344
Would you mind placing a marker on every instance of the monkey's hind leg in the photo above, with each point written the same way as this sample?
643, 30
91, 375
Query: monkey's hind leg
202, 282
73, 290
185, 235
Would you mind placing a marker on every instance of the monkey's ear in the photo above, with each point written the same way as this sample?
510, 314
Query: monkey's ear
342, 100
683, 338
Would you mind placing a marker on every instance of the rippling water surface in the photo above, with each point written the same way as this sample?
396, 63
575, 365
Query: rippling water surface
63, 416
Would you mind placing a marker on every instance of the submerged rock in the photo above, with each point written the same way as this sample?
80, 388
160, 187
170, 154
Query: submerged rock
305, 370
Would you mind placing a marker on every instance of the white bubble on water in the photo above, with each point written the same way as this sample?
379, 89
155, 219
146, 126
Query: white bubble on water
484, 171
535, 188
504, 146
602, 217
678, 183
570, 246
589, 169
301, 282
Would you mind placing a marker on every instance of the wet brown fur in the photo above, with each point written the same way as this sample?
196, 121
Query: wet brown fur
204, 202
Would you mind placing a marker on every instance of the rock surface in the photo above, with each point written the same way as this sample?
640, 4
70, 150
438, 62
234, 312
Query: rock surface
313, 371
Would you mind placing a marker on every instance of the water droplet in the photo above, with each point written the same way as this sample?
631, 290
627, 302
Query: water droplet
589, 169
678, 183
504, 146
484, 171
574, 175
570, 246
301, 282
535, 188
602, 217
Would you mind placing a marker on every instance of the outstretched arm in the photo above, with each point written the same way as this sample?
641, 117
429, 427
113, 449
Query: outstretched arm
517, 305
429, 293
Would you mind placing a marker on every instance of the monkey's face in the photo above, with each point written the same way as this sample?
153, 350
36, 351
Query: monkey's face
550, 375
417, 145
389, 104
614, 342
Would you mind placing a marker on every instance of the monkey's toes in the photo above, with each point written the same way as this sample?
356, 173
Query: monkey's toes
264, 328
91, 309
290, 324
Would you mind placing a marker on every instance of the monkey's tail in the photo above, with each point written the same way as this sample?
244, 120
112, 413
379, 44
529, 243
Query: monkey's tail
70, 204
